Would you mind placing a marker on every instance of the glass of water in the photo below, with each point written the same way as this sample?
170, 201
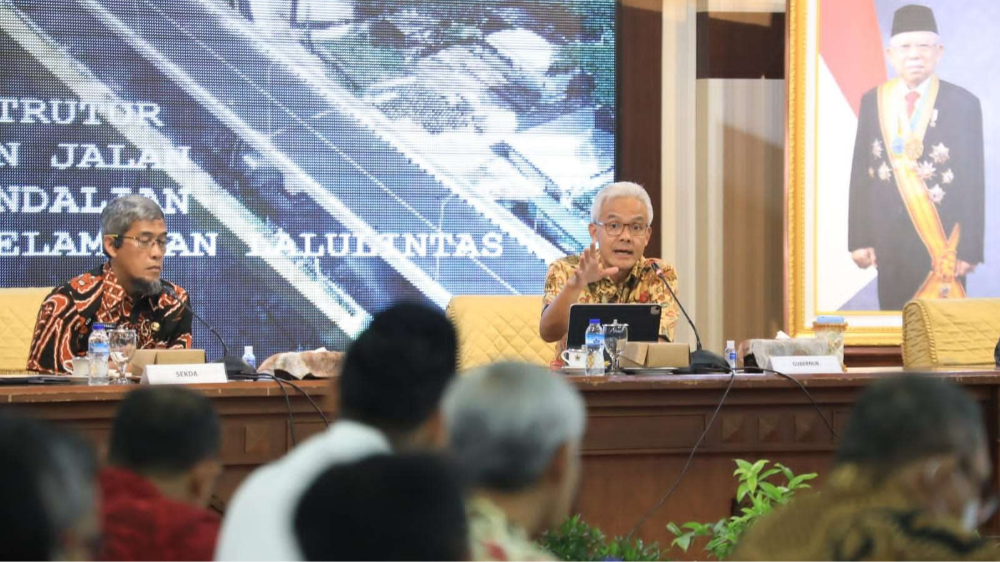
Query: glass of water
615, 338
123, 344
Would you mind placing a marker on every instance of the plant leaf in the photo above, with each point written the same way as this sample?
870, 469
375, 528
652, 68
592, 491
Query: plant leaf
683, 541
785, 470
768, 473
771, 490
742, 491
794, 482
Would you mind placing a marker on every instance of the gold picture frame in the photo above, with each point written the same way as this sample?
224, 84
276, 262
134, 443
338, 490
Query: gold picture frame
801, 134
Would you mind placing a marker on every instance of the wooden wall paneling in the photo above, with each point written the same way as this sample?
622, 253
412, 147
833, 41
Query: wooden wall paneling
639, 101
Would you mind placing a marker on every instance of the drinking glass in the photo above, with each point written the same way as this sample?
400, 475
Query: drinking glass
122, 350
615, 338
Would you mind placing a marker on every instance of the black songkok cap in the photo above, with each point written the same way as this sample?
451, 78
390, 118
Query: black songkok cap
913, 17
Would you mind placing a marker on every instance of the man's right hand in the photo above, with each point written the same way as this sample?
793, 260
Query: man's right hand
864, 257
590, 269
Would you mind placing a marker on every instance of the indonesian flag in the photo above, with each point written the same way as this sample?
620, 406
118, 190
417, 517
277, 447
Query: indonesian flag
850, 47
851, 61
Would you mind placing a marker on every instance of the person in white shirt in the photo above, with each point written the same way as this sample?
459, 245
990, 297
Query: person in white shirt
393, 378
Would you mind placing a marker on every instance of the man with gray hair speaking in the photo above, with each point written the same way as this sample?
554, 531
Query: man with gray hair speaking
126, 291
614, 268
515, 430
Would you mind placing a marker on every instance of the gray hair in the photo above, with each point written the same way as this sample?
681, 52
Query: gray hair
620, 190
506, 421
68, 483
120, 213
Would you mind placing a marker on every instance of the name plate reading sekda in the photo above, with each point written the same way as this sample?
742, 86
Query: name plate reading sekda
806, 364
196, 373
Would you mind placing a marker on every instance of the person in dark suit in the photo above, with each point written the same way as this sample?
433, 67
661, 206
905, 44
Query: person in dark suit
917, 180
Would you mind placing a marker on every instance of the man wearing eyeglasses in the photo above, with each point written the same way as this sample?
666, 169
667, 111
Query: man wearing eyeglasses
613, 269
126, 291
917, 182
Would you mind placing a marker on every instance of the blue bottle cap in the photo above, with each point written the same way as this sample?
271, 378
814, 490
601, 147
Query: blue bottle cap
595, 320
98, 326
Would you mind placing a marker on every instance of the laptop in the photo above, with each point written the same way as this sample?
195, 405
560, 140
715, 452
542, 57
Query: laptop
643, 320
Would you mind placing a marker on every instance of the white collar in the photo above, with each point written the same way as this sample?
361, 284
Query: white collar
902, 89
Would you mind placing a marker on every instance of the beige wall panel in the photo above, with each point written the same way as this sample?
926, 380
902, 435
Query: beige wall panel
741, 153
740, 5
708, 216
678, 205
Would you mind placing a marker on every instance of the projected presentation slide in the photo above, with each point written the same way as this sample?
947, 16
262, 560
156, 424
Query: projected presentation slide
316, 160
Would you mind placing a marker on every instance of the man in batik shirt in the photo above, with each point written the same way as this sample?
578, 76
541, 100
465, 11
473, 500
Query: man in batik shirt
613, 269
910, 481
125, 291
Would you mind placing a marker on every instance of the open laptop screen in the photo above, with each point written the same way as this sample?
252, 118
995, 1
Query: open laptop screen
643, 320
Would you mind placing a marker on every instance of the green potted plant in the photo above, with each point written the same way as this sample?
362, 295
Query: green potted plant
576, 540
757, 493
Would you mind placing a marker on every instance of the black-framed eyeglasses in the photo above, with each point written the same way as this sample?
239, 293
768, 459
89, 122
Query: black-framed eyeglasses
144, 242
615, 228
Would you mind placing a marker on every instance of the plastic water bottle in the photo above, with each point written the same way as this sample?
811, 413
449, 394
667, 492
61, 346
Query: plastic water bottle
98, 351
248, 357
594, 340
731, 353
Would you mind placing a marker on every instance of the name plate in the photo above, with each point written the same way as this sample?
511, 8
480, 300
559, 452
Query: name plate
806, 364
199, 373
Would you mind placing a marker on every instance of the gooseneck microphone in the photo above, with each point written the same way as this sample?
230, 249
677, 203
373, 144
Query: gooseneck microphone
702, 360
233, 365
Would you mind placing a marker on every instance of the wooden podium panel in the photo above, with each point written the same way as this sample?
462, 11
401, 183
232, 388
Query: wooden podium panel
254, 415
639, 435
641, 431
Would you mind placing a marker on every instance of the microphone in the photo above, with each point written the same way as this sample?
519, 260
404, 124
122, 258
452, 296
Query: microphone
702, 360
233, 365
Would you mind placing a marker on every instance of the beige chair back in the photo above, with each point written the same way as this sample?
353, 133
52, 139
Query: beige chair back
499, 328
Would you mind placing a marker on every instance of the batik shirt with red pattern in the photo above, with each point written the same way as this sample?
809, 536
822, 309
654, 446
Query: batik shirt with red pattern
67, 314
643, 285
140, 523
494, 537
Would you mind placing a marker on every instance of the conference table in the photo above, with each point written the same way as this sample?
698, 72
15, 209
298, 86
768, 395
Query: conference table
640, 433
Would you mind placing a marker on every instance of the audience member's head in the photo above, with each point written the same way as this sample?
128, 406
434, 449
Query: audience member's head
516, 429
48, 478
172, 436
395, 373
923, 433
385, 507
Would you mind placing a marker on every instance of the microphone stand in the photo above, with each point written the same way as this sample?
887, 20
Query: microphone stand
702, 360
235, 367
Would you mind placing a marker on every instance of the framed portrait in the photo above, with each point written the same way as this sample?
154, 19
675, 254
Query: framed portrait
890, 160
